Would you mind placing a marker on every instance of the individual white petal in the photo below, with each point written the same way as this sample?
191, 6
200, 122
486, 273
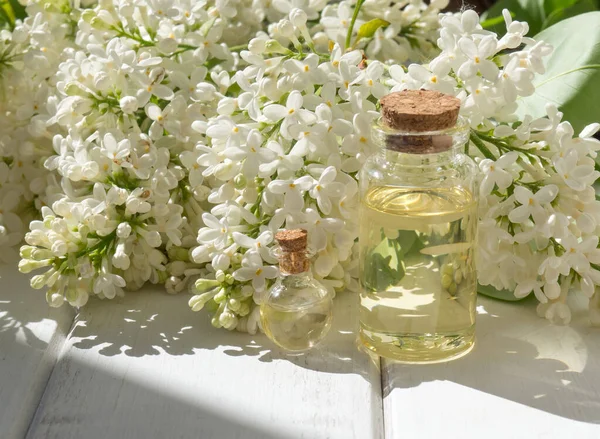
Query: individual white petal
270, 272
279, 186
211, 221
546, 194
468, 47
487, 46
489, 70
523, 195
552, 290
507, 159
503, 179
324, 204
275, 112
304, 183
243, 240
587, 286
519, 214
162, 91
469, 20
244, 274
294, 100
590, 130
293, 201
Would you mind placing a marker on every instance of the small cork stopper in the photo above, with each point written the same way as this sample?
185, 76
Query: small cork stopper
293, 245
419, 110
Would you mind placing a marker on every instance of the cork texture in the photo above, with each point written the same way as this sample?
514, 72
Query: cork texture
419, 110
293, 243
292, 240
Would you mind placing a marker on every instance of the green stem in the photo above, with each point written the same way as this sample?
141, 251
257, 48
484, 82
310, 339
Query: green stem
481, 146
238, 48
357, 7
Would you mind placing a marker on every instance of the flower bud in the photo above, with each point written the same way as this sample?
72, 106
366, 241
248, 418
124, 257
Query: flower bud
221, 296
229, 280
240, 181
73, 89
177, 268
26, 251
54, 298
244, 309
99, 24
234, 304
215, 321
28, 265
205, 284
197, 302
227, 319
38, 281
88, 15
220, 276
286, 28
178, 254
256, 46
298, 17
60, 248
274, 46
129, 104
247, 291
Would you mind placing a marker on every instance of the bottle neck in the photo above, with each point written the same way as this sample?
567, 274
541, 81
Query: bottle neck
307, 274
294, 263
423, 161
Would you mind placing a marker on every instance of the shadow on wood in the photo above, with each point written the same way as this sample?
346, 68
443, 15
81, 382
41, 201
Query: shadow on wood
151, 322
521, 358
130, 408
146, 366
31, 335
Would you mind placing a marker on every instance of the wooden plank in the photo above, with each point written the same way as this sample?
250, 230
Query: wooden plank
31, 335
147, 367
525, 379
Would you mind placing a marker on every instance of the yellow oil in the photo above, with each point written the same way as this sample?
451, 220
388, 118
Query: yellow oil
417, 274
297, 327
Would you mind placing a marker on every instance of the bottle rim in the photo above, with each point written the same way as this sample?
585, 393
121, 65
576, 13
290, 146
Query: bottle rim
420, 142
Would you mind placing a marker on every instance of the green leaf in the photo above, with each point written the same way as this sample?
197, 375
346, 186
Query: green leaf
368, 29
18, 9
493, 22
384, 265
559, 10
490, 291
572, 78
531, 11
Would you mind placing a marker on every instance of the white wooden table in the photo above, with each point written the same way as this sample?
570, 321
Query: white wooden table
147, 367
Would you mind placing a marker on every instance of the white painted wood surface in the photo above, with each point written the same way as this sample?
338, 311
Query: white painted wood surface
525, 379
147, 367
31, 335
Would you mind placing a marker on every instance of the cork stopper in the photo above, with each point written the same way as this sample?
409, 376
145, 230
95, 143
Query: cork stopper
419, 110
293, 244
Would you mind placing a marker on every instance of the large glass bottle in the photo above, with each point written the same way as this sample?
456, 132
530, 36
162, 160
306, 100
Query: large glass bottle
418, 220
297, 312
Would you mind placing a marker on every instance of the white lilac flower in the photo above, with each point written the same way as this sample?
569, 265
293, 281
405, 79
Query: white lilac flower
175, 155
253, 270
495, 174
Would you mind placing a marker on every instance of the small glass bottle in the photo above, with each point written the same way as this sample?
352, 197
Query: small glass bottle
297, 312
418, 221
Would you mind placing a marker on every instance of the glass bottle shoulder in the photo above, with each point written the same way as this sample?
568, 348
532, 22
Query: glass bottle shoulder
294, 292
